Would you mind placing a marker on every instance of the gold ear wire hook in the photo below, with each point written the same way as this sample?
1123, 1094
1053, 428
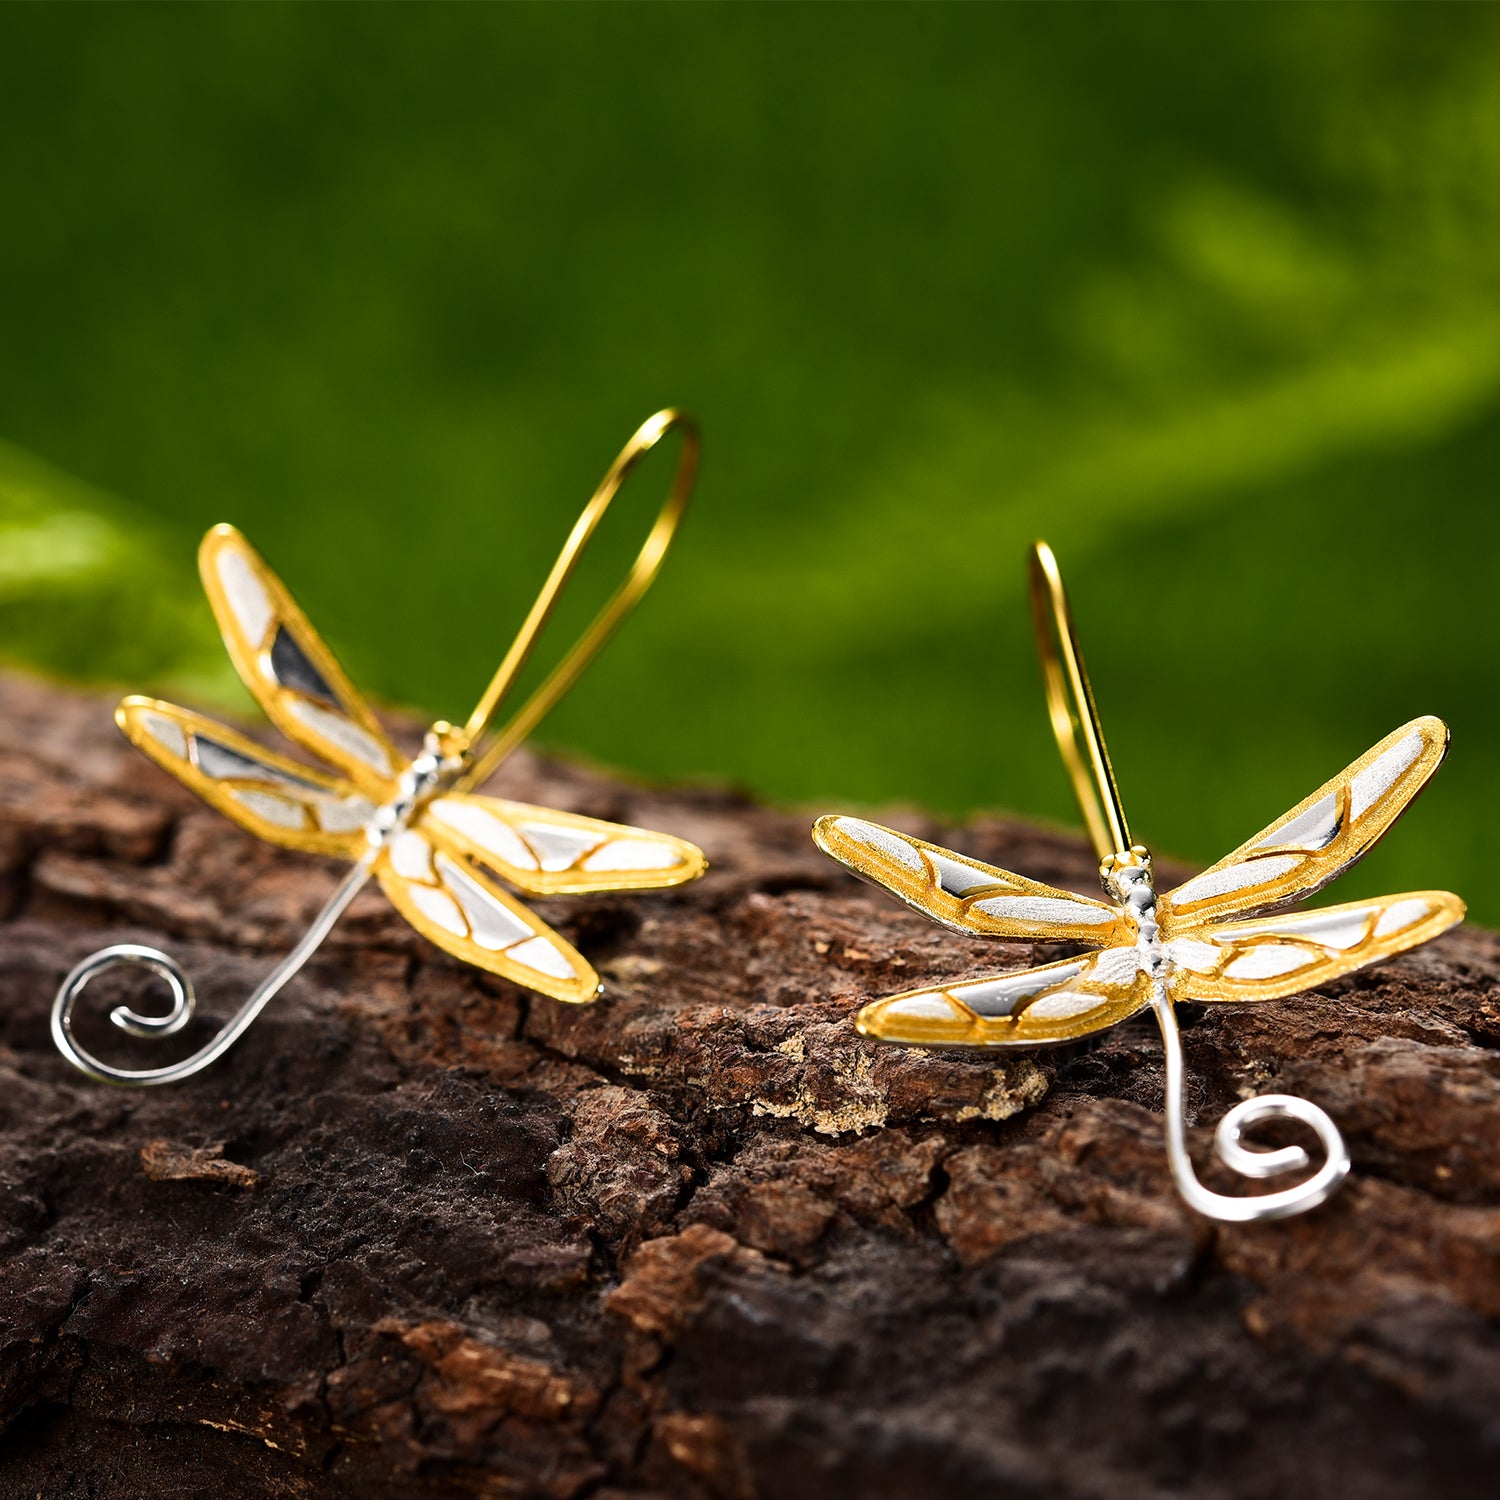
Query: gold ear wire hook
1070, 702
640, 578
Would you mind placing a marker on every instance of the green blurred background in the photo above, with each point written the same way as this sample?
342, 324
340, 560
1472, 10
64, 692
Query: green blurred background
1208, 296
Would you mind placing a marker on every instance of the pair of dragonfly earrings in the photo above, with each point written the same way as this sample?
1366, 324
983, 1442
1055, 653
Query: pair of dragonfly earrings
449, 860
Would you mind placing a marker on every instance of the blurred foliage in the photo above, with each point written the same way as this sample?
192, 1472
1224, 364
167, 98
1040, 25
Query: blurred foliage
1209, 296
89, 590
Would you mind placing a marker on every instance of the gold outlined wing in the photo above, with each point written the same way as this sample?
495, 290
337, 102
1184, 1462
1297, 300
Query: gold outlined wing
452, 903
1319, 838
1041, 1007
283, 802
293, 675
545, 853
1267, 958
963, 894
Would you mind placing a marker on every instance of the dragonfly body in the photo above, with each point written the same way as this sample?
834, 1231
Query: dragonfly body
428, 776
1127, 877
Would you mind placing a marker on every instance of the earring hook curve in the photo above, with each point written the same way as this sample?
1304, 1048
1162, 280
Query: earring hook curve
1070, 705
632, 589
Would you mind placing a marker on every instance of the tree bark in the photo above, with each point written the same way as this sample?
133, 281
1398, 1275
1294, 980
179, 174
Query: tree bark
423, 1234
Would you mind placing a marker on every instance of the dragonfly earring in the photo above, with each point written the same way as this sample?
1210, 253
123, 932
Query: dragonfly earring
413, 825
1208, 940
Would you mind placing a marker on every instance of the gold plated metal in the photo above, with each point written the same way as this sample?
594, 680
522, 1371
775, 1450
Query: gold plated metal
1070, 703
641, 576
1215, 938
412, 824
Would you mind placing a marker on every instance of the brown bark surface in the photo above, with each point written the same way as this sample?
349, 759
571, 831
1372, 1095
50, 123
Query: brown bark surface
423, 1234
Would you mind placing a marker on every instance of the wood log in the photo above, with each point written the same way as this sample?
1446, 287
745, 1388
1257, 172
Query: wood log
421, 1233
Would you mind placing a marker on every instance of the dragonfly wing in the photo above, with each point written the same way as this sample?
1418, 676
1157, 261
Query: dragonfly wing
963, 894
291, 672
1266, 958
546, 853
451, 902
1058, 1002
285, 803
1321, 837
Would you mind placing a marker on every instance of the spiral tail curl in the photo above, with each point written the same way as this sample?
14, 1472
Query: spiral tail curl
1248, 1161
184, 999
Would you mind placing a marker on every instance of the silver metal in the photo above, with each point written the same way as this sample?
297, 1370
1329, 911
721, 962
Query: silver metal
1247, 1161
184, 998
430, 773
1127, 876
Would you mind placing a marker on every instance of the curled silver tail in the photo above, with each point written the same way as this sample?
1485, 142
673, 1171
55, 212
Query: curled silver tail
1248, 1161
184, 998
